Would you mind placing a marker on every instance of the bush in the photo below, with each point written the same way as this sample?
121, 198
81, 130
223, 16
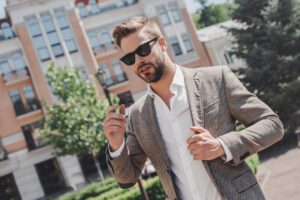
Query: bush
152, 186
95, 189
253, 162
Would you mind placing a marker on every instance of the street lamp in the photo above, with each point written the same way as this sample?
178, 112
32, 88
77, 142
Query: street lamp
101, 80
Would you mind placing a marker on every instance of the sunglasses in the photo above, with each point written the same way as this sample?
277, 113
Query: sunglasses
143, 50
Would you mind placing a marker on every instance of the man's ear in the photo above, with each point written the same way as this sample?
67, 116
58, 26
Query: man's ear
163, 43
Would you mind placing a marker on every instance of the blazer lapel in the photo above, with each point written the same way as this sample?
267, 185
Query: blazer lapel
149, 116
193, 88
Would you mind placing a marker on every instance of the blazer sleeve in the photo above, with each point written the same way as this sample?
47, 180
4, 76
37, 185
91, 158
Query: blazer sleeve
127, 167
263, 127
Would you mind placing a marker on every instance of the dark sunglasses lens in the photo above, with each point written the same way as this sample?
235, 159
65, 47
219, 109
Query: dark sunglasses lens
143, 50
128, 59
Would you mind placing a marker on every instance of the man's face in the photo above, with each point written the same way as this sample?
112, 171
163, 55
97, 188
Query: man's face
149, 68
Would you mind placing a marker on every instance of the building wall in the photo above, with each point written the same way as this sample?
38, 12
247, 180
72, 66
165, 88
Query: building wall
21, 160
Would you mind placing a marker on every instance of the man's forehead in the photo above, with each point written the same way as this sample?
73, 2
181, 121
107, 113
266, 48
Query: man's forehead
133, 40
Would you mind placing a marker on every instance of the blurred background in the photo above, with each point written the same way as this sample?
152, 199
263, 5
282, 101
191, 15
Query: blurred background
60, 68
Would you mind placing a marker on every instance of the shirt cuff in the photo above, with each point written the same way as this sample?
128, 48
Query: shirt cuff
228, 155
118, 152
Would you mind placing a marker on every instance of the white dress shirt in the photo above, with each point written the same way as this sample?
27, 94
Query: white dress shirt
191, 176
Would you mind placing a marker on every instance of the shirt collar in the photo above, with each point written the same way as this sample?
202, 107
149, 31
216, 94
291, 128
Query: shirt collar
178, 81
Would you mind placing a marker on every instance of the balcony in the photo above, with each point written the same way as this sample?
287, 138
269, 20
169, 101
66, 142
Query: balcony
115, 80
16, 75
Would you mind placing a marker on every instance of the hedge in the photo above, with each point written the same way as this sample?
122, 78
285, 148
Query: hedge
95, 189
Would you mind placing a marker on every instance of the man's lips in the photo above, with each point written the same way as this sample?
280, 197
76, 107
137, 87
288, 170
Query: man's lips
144, 68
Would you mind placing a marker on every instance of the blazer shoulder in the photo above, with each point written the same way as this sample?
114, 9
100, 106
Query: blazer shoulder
208, 74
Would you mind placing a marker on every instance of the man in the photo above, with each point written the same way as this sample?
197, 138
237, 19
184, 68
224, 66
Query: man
185, 124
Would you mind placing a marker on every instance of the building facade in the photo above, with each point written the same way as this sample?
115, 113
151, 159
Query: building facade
74, 34
218, 43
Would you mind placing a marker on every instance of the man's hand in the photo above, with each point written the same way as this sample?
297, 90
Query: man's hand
114, 126
203, 146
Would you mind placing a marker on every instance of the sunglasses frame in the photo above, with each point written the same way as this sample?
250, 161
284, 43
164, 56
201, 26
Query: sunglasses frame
129, 59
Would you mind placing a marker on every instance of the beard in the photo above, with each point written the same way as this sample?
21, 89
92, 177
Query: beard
152, 77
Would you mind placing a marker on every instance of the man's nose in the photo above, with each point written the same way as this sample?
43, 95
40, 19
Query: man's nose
139, 59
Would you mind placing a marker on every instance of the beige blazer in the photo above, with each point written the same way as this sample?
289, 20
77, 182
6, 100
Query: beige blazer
217, 99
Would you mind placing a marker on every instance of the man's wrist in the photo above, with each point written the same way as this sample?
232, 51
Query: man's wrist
117, 152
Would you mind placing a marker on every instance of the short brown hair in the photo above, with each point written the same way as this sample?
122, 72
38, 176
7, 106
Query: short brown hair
132, 25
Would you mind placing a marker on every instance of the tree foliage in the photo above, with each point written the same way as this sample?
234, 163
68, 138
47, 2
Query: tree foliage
67, 123
213, 13
269, 42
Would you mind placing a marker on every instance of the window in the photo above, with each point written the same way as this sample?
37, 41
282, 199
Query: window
17, 102
9, 63
175, 46
18, 61
65, 31
94, 40
106, 38
41, 47
187, 43
7, 31
118, 71
126, 98
52, 35
82, 10
48, 23
30, 103
61, 19
4, 67
33, 26
164, 18
38, 40
175, 13
50, 177
55, 44
30, 98
94, 6
228, 57
106, 74
8, 188
29, 135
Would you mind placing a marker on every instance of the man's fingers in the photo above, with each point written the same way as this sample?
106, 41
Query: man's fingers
112, 129
195, 138
122, 109
111, 109
113, 122
198, 129
116, 116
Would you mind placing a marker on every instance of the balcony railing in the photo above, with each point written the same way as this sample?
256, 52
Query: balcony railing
16, 75
117, 79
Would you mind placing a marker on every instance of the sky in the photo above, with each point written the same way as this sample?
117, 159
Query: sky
192, 5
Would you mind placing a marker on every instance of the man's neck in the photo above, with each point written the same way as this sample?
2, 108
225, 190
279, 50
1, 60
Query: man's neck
162, 87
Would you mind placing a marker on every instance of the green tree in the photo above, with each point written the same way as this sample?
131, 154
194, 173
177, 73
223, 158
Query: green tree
213, 13
67, 124
269, 42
